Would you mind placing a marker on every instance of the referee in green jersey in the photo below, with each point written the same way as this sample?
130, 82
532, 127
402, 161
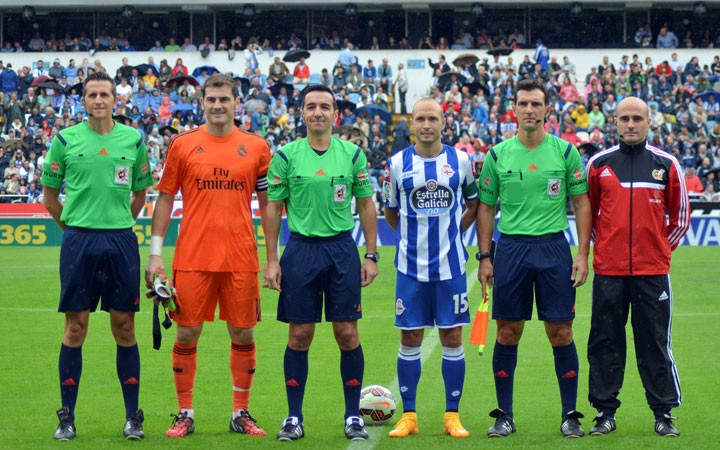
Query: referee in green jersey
104, 168
315, 179
532, 174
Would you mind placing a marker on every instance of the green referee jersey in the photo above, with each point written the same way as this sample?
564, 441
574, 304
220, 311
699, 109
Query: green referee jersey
100, 172
317, 189
532, 185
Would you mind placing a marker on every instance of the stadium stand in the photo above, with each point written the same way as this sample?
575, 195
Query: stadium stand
41, 90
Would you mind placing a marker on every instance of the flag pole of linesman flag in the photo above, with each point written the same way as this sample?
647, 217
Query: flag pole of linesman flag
478, 333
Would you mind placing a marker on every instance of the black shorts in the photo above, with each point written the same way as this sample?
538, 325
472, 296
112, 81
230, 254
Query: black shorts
533, 264
317, 268
97, 264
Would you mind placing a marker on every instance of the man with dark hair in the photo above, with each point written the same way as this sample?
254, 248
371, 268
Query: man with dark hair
102, 163
216, 167
315, 178
532, 174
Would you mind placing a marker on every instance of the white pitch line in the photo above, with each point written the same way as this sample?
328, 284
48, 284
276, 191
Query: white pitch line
430, 343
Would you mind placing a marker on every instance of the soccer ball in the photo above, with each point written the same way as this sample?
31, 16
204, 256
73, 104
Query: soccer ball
377, 405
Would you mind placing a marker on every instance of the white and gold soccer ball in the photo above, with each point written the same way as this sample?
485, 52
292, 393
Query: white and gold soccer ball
377, 405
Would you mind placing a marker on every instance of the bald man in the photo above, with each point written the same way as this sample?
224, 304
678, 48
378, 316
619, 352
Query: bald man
431, 288
631, 187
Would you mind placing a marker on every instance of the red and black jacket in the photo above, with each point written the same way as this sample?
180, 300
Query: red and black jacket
639, 207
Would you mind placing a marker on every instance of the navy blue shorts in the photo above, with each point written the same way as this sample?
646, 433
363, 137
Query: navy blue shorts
542, 264
97, 264
317, 268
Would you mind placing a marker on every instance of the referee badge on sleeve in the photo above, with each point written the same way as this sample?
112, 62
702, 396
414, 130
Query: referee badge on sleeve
122, 175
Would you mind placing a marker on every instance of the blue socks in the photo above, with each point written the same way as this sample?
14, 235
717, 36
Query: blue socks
296, 373
352, 368
567, 369
453, 372
504, 363
128, 370
408, 367
69, 368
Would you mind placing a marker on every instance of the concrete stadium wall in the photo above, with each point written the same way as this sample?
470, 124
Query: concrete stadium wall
419, 77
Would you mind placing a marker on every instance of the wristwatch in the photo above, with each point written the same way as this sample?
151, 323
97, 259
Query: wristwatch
374, 256
482, 255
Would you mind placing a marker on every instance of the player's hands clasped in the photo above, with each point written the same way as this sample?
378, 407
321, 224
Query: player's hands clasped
272, 275
155, 265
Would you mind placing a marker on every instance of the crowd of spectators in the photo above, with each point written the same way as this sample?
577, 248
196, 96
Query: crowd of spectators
684, 107
160, 99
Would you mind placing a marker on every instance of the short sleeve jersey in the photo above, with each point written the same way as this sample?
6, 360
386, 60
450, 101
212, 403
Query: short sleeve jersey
318, 188
100, 173
532, 185
217, 176
428, 193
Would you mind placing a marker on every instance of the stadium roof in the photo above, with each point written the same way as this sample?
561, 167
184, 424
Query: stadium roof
14, 5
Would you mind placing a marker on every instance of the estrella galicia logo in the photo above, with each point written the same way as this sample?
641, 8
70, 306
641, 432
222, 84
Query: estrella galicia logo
432, 199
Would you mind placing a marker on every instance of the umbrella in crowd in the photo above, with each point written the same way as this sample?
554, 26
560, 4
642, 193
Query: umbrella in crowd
167, 129
182, 107
180, 80
252, 103
244, 84
589, 148
209, 69
500, 51
77, 87
465, 59
8, 144
40, 79
295, 55
123, 119
474, 86
706, 95
275, 89
142, 69
373, 110
50, 84
447, 77
343, 104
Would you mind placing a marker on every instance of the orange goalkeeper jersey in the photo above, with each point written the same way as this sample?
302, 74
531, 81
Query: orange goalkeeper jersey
217, 176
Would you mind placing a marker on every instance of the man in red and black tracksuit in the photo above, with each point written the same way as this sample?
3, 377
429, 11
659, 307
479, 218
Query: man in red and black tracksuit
633, 189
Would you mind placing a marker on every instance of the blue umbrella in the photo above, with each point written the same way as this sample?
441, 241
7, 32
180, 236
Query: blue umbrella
375, 110
182, 107
142, 69
704, 96
210, 70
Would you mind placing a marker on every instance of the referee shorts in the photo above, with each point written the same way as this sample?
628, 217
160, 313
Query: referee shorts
539, 265
317, 268
99, 264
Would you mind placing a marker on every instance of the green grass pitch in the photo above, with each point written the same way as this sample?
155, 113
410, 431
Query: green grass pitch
32, 330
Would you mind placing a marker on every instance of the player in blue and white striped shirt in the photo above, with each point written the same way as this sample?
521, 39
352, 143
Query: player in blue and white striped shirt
424, 190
